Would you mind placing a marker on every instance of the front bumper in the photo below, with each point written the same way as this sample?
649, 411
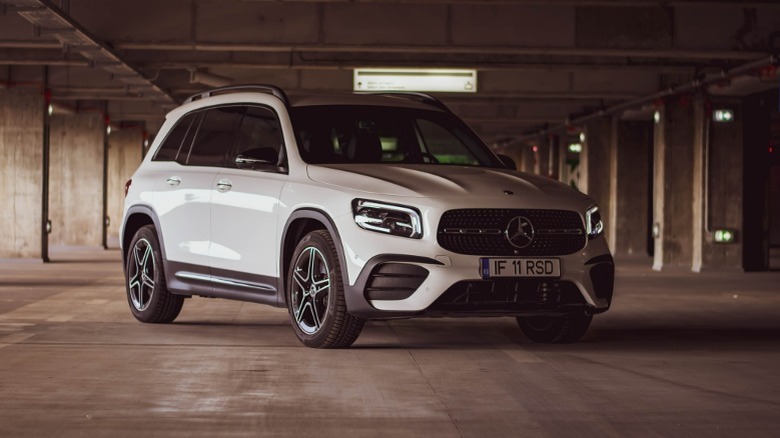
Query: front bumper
402, 286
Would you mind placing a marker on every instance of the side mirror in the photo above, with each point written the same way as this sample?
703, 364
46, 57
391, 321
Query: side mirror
508, 162
254, 158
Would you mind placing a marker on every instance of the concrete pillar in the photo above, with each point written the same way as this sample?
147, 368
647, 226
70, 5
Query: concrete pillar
700, 183
600, 167
718, 187
124, 156
21, 156
673, 183
553, 156
527, 162
543, 154
76, 194
631, 204
572, 166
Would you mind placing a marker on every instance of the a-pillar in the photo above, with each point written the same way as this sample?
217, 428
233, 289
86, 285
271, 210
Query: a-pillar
21, 180
632, 204
599, 167
76, 193
673, 168
125, 148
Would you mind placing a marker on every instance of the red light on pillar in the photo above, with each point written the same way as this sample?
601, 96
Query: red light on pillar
535, 148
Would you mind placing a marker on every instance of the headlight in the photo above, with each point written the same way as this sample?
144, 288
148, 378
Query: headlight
593, 224
387, 218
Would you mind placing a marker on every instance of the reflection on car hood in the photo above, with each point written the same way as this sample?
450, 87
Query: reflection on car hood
435, 181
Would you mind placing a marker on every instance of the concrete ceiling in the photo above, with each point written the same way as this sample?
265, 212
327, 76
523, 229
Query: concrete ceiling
540, 63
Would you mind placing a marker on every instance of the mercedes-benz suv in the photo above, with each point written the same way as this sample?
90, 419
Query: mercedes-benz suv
351, 208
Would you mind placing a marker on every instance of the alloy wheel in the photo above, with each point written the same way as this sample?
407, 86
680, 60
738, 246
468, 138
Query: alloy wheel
141, 275
311, 291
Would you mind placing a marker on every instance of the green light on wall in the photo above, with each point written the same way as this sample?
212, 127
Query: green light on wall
723, 115
725, 236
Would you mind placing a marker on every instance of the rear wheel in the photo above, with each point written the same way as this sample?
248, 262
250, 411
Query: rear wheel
149, 298
315, 295
555, 329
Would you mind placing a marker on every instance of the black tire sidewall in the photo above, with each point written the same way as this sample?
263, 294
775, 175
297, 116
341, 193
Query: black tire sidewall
561, 329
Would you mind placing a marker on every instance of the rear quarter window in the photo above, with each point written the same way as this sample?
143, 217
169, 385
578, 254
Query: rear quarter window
171, 146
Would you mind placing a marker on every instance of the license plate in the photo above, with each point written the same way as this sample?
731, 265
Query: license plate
525, 267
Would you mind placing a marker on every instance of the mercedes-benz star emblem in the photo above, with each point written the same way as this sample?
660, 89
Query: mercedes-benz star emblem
520, 232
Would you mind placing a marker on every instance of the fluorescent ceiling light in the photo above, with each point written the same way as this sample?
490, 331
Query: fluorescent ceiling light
422, 79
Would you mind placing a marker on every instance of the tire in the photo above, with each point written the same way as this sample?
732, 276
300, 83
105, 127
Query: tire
147, 293
555, 329
315, 295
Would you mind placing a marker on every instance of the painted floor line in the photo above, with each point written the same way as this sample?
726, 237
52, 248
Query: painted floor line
60, 318
14, 339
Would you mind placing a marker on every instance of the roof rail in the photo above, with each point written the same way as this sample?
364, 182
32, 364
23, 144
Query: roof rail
270, 89
411, 95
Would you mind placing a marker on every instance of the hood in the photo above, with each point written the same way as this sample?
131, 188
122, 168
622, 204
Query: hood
437, 181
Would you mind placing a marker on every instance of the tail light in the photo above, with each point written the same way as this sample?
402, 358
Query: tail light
127, 186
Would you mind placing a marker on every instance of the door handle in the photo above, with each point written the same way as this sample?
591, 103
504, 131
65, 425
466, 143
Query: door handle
174, 181
224, 185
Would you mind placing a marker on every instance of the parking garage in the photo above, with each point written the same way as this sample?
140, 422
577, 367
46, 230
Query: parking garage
666, 113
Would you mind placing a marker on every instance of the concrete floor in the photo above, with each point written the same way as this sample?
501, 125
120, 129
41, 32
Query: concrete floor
678, 355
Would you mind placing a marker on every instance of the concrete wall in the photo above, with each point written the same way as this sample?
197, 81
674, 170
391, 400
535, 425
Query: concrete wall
76, 172
124, 156
21, 140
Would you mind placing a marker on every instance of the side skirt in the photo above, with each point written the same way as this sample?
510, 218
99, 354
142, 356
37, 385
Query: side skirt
187, 279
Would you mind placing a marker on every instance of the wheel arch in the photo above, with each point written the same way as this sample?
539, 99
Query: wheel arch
139, 216
300, 223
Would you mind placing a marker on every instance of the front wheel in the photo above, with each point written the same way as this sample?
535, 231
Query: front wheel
315, 295
555, 329
149, 298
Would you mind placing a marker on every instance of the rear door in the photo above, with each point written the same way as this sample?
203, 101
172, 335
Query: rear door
183, 197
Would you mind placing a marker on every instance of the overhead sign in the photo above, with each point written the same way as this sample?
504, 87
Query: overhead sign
426, 80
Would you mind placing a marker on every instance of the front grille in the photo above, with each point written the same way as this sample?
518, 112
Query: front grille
482, 232
507, 295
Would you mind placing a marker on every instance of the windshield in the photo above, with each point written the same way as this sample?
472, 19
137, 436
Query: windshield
374, 134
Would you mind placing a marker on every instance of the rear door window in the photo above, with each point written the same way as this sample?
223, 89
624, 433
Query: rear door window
214, 136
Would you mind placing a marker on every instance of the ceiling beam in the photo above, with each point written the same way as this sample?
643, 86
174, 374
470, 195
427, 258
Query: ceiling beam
623, 3
449, 49
50, 21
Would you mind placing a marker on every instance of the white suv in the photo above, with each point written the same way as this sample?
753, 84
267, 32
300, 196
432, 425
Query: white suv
352, 208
